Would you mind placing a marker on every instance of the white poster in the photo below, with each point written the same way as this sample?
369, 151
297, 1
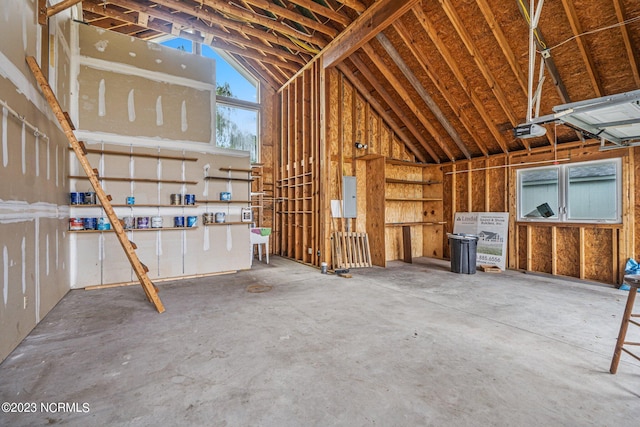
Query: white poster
492, 229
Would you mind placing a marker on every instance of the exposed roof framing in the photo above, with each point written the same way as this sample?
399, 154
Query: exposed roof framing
448, 77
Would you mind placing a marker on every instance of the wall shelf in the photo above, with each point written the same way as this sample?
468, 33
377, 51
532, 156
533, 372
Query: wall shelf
402, 224
406, 181
226, 178
123, 179
228, 223
137, 205
214, 202
417, 199
143, 155
134, 229
236, 170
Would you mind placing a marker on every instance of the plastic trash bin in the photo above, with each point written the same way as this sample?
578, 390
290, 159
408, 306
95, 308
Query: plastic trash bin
463, 252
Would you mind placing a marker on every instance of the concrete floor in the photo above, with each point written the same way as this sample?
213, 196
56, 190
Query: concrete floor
410, 345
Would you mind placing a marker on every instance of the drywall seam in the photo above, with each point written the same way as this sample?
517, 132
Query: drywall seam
128, 70
102, 109
159, 115
23, 272
17, 211
74, 72
37, 270
37, 156
131, 106
5, 147
5, 274
19, 80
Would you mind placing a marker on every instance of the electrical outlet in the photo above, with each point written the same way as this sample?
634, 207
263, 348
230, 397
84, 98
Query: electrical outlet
310, 251
24, 303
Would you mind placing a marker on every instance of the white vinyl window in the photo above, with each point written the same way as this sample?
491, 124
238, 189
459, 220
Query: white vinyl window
577, 192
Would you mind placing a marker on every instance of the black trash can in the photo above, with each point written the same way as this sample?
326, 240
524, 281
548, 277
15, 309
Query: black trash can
463, 248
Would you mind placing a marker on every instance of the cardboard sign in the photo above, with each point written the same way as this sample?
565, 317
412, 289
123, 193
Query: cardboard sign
492, 229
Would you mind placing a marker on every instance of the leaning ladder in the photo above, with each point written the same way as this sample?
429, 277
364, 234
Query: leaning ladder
633, 280
105, 200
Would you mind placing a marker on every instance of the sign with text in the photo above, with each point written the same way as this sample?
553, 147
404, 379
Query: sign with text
492, 229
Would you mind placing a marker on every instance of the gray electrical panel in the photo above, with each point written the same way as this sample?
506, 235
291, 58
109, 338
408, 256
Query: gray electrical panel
349, 208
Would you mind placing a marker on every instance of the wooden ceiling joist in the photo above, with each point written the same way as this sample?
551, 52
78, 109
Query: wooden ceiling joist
376, 18
381, 111
45, 12
356, 5
388, 99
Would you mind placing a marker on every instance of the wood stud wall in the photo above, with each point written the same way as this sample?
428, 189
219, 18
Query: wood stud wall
595, 252
588, 251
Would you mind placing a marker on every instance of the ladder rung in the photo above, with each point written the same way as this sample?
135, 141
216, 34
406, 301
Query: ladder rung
634, 322
96, 173
133, 245
109, 198
631, 343
68, 117
82, 147
155, 287
145, 268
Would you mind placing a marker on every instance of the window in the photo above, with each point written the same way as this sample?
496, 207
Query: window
237, 107
237, 101
579, 192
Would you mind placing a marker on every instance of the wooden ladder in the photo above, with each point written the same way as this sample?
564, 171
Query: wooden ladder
105, 200
633, 280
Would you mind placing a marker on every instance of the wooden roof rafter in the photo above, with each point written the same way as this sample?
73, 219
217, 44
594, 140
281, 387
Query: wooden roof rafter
631, 50
400, 88
481, 63
262, 50
323, 11
426, 98
426, 66
294, 16
381, 111
244, 28
247, 16
444, 51
576, 28
384, 94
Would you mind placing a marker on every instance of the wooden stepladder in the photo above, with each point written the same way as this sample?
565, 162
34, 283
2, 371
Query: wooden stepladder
105, 200
633, 280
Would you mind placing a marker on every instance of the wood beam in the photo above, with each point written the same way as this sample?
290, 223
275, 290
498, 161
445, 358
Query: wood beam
417, 85
503, 43
94, 7
576, 28
377, 17
213, 18
323, 10
250, 17
381, 111
428, 27
480, 63
406, 96
356, 5
426, 65
631, 50
283, 12
56, 8
384, 94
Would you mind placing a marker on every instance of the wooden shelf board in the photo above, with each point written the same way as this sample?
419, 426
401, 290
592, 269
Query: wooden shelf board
236, 170
150, 156
122, 179
228, 223
224, 178
411, 164
209, 202
137, 205
404, 181
134, 229
428, 199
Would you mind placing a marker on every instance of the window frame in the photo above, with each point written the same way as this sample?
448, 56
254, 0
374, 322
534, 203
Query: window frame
562, 216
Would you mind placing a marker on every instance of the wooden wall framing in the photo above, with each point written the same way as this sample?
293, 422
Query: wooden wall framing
596, 252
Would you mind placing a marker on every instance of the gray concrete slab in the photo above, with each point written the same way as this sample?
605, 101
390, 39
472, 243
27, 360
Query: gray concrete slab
404, 346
